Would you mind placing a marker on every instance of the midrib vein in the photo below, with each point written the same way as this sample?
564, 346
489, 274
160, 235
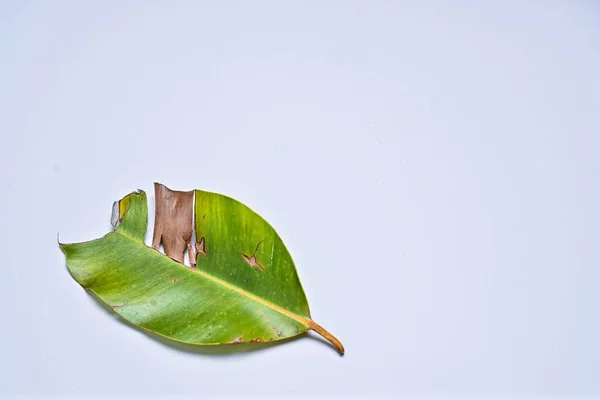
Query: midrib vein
304, 321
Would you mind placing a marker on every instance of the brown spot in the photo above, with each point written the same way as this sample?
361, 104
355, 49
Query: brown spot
257, 340
201, 246
119, 304
251, 260
203, 217
278, 333
174, 280
236, 340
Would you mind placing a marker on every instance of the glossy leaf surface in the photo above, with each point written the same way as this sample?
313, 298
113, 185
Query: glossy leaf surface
244, 288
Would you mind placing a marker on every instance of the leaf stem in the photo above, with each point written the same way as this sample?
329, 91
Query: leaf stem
323, 332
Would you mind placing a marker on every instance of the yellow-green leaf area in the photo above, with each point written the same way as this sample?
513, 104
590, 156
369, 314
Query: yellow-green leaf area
244, 250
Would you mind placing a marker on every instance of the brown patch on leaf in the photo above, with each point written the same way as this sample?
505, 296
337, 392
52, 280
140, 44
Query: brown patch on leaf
198, 248
119, 304
201, 246
257, 340
173, 221
251, 260
174, 280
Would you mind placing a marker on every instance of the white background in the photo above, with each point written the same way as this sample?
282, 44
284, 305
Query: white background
432, 166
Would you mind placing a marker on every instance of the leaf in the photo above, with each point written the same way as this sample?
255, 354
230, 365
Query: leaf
244, 286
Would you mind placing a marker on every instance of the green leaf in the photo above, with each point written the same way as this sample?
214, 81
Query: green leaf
244, 287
